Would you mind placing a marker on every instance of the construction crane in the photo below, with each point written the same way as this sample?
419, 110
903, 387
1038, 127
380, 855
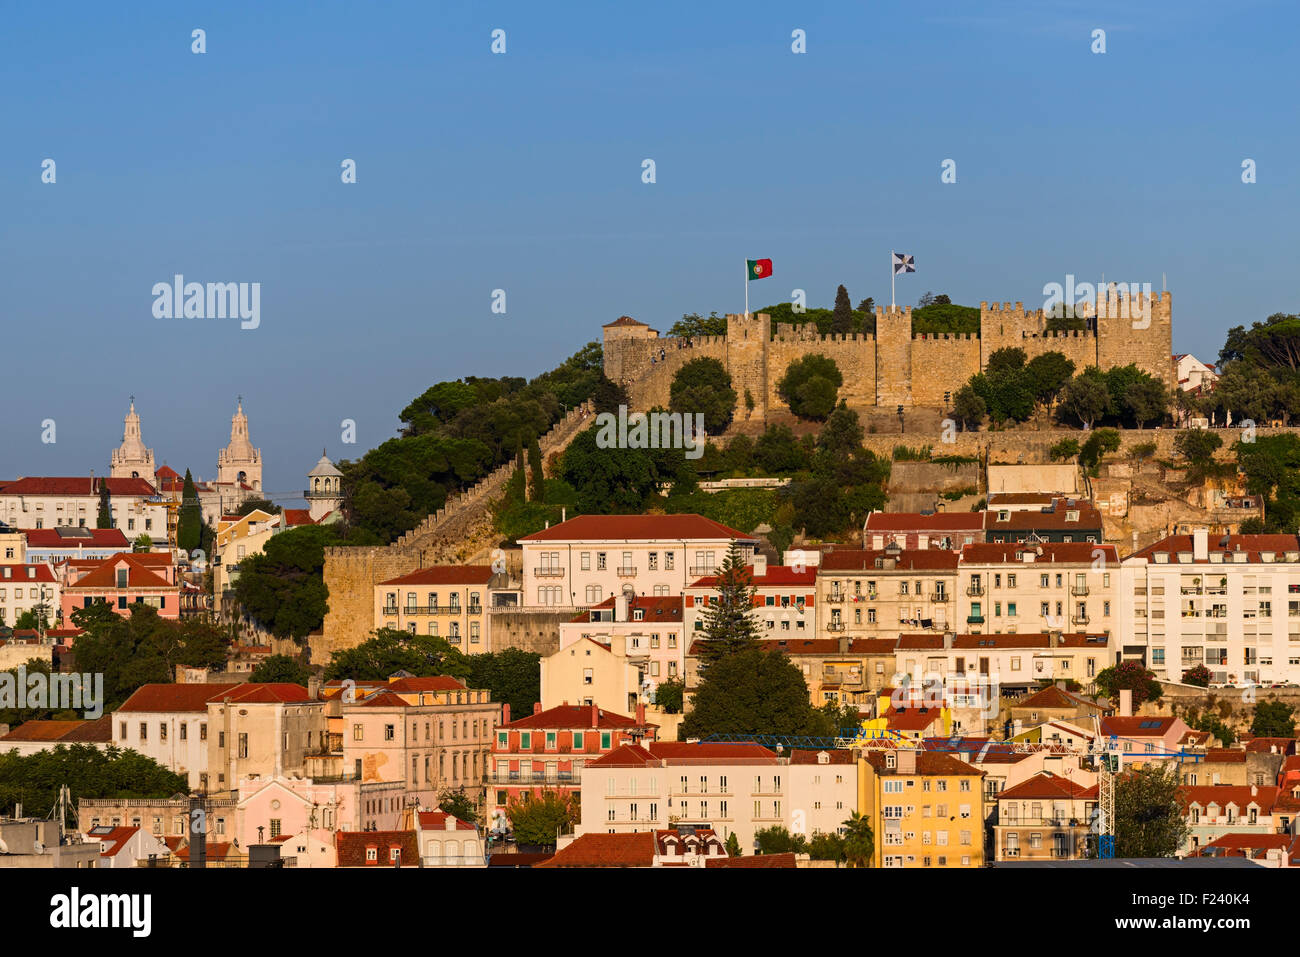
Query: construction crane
1107, 757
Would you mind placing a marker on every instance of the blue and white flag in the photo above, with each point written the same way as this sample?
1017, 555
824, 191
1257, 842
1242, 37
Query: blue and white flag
903, 263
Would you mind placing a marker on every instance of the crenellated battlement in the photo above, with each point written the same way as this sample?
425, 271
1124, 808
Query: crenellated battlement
895, 366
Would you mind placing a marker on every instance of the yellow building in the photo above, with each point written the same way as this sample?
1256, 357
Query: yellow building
926, 808
447, 601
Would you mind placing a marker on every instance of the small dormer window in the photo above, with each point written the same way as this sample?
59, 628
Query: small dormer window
1072, 516
638, 615
31, 572
1004, 515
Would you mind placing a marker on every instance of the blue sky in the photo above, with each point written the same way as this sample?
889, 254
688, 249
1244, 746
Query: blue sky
522, 172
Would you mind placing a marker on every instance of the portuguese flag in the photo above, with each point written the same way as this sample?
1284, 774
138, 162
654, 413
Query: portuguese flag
759, 268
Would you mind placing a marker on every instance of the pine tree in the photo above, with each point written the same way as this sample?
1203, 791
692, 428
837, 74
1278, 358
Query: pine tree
842, 315
105, 517
536, 488
728, 623
189, 524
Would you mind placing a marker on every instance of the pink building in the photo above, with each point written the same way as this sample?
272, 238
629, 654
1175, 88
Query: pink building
122, 581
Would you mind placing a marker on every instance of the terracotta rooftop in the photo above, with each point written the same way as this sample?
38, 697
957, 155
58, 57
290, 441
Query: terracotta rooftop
445, 575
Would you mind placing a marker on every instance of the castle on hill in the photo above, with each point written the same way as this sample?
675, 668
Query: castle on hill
895, 366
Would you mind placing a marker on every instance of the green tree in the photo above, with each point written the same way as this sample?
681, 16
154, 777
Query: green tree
1064, 450
691, 325
1085, 398
89, 772
105, 517
703, 386
1131, 676
391, 650
539, 819
1097, 445
827, 847
1047, 374
512, 675
728, 621
842, 314
190, 518
969, 408
733, 846
456, 802
609, 480
778, 452
1147, 400
29, 620
536, 481
777, 840
142, 543
281, 668
669, 695
841, 436
810, 386
1149, 814
1197, 446
751, 692
1273, 719
283, 589
251, 505
859, 841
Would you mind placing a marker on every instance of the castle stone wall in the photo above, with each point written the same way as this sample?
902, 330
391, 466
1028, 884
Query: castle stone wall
893, 367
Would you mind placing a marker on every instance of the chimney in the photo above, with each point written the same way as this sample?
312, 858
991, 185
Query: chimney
948, 636
760, 564
640, 713
564, 513
1254, 791
595, 715
844, 644
1126, 703
537, 707
620, 607
1201, 545
313, 687
449, 823
505, 712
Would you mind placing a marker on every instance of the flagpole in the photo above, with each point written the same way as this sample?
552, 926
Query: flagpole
746, 288
892, 271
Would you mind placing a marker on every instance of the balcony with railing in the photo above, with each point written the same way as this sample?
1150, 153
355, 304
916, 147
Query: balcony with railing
835, 626
975, 590
626, 571
836, 597
701, 570
1079, 591
1080, 619
548, 571
939, 596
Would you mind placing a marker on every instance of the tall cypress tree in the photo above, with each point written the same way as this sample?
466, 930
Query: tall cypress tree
842, 315
728, 623
536, 488
189, 524
105, 517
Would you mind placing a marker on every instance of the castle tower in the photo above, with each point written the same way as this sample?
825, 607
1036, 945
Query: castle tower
894, 356
132, 459
1135, 326
747, 353
324, 492
239, 462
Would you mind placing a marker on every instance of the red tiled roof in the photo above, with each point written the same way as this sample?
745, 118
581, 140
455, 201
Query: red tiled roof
656, 607
264, 692
1055, 519
687, 526
112, 839
445, 575
76, 485
776, 575
138, 576
708, 751
606, 850
183, 697
96, 538
297, 516
1059, 552
352, 847
914, 559
829, 646
927, 762
41, 730
835, 755
571, 716
1132, 726
1224, 794
624, 321
1054, 697
624, 756
434, 683
212, 851
18, 573
384, 699
884, 522
1048, 786
1252, 545
1283, 745
1225, 755
437, 821
911, 719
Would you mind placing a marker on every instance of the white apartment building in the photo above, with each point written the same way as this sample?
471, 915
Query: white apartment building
24, 587
588, 559
732, 788
1231, 603
1005, 588
52, 502
785, 604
